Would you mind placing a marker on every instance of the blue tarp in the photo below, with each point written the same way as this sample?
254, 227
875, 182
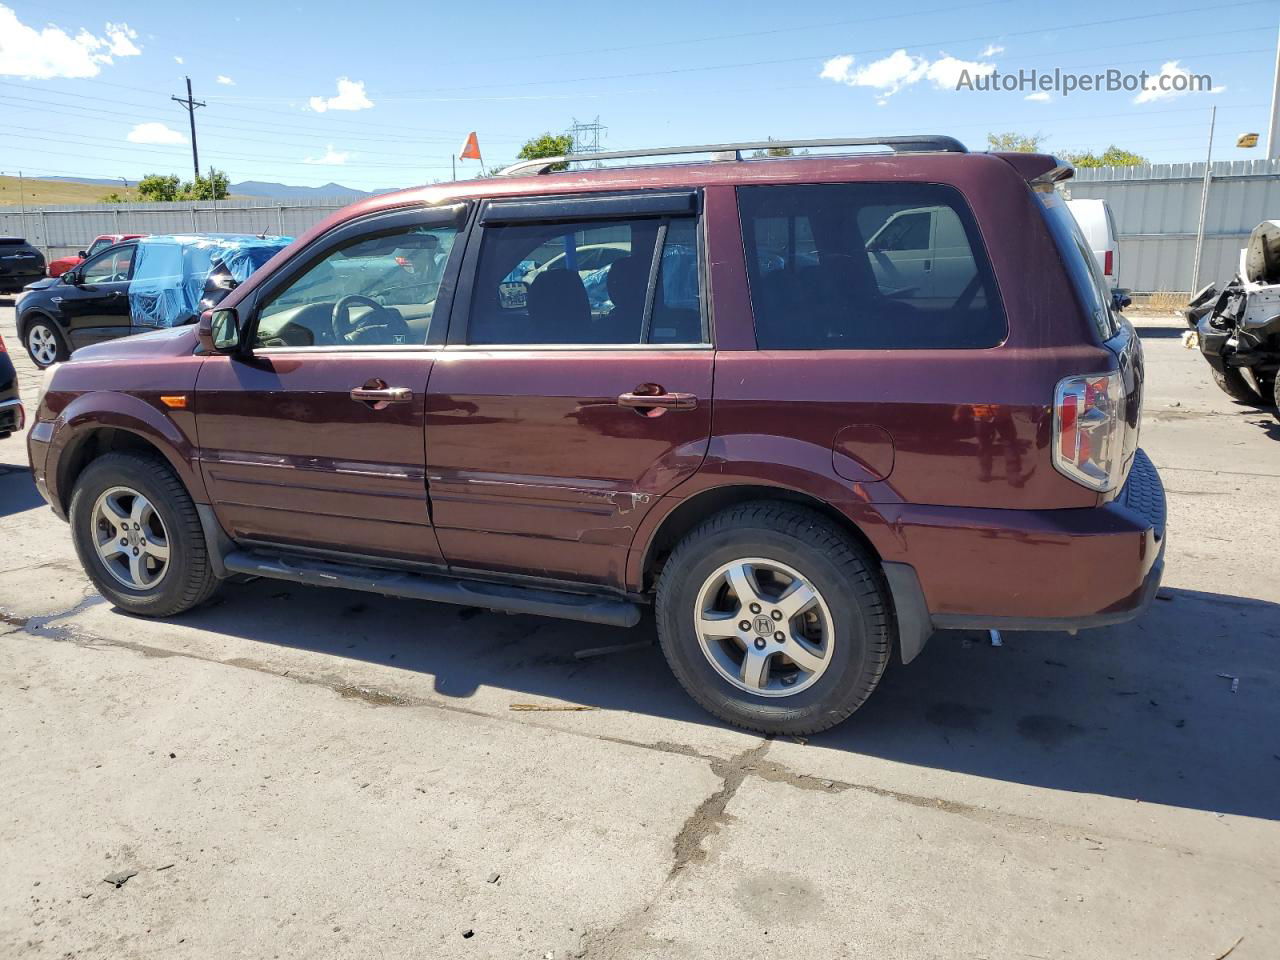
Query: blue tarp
175, 277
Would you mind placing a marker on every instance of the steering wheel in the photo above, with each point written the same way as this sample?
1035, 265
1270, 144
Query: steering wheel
343, 328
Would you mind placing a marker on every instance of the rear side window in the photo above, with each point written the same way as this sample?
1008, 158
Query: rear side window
867, 266
588, 282
1082, 268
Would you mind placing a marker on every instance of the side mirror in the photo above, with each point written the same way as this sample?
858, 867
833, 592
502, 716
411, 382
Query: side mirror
70, 278
219, 331
1120, 299
82, 255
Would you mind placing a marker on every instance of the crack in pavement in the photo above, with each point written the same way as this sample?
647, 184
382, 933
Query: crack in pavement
705, 820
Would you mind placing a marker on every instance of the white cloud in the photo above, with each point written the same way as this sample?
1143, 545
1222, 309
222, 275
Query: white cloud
991, 50
155, 132
1173, 80
351, 96
178, 60
330, 157
888, 75
945, 71
226, 81
120, 40
1040, 96
51, 52
900, 69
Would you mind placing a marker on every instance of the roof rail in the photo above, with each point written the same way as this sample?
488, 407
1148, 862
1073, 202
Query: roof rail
733, 151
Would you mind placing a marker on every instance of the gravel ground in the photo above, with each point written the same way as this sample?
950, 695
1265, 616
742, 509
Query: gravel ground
293, 772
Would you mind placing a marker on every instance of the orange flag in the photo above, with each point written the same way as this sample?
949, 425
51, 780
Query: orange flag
471, 149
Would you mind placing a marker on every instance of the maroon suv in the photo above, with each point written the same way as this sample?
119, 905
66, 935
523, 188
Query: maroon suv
811, 408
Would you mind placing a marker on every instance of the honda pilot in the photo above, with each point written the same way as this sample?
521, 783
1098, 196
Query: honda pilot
810, 409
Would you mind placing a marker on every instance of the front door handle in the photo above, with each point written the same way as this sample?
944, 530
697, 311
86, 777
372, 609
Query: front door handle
377, 392
652, 399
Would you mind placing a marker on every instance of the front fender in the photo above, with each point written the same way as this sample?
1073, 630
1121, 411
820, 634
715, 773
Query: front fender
88, 414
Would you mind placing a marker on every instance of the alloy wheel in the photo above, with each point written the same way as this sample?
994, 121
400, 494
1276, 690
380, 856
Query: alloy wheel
764, 627
43, 344
130, 538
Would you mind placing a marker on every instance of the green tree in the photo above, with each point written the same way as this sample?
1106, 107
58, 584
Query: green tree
1012, 142
215, 186
114, 197
778, 152
158, 188
547, 145
1113, 156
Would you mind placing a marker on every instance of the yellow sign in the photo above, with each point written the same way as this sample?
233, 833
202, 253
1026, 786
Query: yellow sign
1247, 140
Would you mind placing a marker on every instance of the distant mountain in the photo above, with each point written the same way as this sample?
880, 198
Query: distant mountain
254, 188
284, 191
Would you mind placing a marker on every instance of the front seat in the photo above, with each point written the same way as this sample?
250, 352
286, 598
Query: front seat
627, 282
559, 311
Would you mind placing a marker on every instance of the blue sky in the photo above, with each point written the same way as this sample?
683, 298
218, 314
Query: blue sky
380, 94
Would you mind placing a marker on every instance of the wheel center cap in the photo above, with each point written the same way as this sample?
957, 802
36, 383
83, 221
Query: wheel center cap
763, 625
135, 538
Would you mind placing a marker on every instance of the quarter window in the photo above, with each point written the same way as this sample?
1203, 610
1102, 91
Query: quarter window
376, 290
587, 282
867, 266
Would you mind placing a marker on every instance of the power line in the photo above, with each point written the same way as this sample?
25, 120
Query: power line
811, 57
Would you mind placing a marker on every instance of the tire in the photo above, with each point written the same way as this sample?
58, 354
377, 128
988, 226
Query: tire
851, 601
45, 343
109, 488
1275, 397
1232, 382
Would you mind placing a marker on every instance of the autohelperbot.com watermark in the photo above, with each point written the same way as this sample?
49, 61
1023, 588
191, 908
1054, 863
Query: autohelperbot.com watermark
1064, 82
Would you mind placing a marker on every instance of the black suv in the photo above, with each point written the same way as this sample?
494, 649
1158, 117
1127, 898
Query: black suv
20, 263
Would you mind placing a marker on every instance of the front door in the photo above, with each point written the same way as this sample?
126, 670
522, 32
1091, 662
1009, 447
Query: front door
569, 399
314, 440
96, 306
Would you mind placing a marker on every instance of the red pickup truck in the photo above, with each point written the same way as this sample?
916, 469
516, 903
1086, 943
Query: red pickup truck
60, 266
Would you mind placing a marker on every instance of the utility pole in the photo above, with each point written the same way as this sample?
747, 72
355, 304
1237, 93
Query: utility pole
1204, 203
190, 106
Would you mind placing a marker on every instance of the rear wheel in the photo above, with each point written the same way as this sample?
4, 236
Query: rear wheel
774, 619
139, 537
45, 344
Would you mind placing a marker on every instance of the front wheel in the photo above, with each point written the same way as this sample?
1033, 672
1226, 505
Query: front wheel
774, 619
45, 344
138, 536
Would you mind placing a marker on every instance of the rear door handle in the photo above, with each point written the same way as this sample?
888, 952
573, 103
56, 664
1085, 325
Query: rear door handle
651, 397
377, 392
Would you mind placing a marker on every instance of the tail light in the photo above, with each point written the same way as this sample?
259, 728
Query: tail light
3, 348
1108, 263
1088, 430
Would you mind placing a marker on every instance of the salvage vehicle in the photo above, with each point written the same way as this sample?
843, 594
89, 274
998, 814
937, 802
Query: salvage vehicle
136, 286
803, 472
1099, 229
61, 265
20, 263
1237, 328
12, 416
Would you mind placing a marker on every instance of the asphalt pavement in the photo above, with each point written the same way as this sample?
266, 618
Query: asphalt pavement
299, 773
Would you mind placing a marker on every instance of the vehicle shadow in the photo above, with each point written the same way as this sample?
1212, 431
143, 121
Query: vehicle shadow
1140, 711
1161, 333
17, 490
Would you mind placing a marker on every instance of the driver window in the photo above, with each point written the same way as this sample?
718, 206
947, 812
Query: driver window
377, 290
109, 267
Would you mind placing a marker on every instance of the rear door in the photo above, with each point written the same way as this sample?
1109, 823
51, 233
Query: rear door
96, 307
560, 413
315, 440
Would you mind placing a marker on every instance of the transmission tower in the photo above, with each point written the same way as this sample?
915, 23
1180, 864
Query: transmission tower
587, 136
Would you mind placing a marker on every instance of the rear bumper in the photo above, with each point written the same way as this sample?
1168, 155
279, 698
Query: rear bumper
12, 417
1032, 570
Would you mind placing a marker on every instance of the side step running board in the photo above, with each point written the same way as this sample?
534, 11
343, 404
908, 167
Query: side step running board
438, 589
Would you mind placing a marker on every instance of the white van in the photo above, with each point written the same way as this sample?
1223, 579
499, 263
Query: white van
1099, 228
